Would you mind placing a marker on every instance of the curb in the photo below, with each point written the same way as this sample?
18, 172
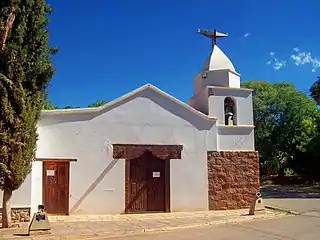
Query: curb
215, 223
279, 209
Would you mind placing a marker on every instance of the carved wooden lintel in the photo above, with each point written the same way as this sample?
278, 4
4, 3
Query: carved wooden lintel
131, 151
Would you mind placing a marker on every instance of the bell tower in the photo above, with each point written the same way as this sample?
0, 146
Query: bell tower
217, 91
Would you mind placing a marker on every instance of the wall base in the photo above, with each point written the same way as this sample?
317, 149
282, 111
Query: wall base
233, 179
18, 214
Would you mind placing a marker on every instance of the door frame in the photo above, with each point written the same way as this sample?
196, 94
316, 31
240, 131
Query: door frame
167, 206
56, 161
132, 151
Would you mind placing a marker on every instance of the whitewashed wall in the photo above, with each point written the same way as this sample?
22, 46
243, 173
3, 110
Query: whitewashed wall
148, 119
235, 138
22, 196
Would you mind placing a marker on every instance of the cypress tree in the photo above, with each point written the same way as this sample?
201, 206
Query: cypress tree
25, 72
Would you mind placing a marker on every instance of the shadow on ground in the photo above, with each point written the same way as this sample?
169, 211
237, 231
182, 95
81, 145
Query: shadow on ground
21, 234
287, 192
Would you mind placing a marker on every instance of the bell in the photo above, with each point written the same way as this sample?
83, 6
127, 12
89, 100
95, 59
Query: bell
229, 117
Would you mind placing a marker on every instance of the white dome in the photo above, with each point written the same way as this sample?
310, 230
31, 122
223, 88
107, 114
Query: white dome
217, 60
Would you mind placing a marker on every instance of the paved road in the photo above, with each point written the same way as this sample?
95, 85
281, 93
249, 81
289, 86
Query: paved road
291, 198
304, 226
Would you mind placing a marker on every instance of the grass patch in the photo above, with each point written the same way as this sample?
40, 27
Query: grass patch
279, 210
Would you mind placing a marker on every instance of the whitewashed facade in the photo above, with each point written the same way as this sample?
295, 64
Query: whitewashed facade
147, 115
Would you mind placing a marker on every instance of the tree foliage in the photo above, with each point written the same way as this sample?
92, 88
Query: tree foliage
69, 107
25, 71
98, 103
315, 91
286, 123
309, 163
49, 106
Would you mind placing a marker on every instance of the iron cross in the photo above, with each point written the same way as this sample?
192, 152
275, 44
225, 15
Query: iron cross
212, 34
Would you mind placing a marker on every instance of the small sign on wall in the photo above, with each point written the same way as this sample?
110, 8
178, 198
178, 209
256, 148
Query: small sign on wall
50, 173
156, 174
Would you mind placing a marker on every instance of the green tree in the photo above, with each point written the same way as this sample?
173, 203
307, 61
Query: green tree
98, 103
315, 91
69, 107
49, 106
309, 154
25, 71
285, 121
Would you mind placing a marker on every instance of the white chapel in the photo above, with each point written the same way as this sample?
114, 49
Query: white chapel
147, 151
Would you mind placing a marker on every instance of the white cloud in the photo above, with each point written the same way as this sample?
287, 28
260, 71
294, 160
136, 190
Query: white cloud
298, 58
246, 35
275, 62
305, 58
279, 64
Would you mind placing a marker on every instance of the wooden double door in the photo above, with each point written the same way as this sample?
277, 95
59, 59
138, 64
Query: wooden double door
147, 184
56, 187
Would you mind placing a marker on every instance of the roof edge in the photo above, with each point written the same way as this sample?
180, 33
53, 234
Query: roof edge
232, 88
123, 97
93, 109
235, 126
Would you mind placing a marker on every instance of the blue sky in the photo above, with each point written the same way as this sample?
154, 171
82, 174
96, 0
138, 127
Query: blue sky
110, 47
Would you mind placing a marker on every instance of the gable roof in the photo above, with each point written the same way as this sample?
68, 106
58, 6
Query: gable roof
122, 99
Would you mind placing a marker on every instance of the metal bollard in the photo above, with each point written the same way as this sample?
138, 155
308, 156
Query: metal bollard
257, 205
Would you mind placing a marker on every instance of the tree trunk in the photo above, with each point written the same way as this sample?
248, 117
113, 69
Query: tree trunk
6, 209
281, 172
7, 26
281, 175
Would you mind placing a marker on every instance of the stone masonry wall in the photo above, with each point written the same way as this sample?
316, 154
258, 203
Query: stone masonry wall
233, 179
18, 214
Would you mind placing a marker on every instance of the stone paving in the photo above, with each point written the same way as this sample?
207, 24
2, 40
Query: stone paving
107, 226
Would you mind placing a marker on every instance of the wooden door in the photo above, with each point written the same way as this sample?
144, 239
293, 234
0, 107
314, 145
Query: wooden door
138, 185
156, 184
56, 187
146, 184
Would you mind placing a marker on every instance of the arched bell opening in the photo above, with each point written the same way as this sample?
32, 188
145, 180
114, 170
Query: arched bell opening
230, 111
